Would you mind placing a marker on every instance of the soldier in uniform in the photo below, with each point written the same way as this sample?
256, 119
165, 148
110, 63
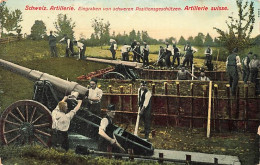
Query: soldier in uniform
203, 77
254, 65
176, 53
137, 51
208, 59
245, 67
93, 96
106, 129
183, 74
113, 48
125, 50
188, 55
82, 49
144, 104
52, 44
69, 47
232, 64
168, 53
161, 56
145, 52
61, 122
133, 45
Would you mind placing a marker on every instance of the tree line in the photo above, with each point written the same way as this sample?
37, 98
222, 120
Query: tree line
238, 35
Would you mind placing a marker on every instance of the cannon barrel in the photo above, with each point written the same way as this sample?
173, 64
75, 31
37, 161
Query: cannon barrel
60, 84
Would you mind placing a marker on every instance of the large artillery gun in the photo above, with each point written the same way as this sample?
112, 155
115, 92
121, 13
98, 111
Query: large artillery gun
29, 121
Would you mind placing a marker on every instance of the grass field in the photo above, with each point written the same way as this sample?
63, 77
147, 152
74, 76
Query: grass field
35, 55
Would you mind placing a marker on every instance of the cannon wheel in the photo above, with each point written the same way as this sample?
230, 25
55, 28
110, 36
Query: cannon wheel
115, 75
26, 122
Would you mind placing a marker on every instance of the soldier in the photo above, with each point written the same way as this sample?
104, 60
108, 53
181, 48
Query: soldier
133, 45
93, 96
52, 44
82, 49
208, 59
106, 129
245, 67
137, 51
232, 64
188, 55
203, 77
144, 104
69, 47
176, 53
168, 53
145, 52
113, 48
183, 74
161, 57
61, 122
254, 65
125, 50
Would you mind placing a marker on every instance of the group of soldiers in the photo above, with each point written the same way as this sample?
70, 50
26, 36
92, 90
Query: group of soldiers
61, 117
69, 46
141, 52
250, 66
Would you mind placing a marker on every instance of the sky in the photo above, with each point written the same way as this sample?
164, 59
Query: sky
159, 25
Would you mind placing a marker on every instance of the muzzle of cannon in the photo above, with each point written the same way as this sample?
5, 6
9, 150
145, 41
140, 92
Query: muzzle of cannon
29, 121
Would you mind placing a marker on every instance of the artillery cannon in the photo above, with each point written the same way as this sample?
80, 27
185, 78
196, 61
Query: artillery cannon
29, 121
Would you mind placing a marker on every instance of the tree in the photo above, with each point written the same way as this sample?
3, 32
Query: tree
208, 40
132, 35
182, 41
64, 25
171, 40
190, 40
198, 40
38, 30
12, 21
101, 30
239, 30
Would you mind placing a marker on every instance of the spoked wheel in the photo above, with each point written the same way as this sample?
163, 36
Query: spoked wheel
26, 122
114, 75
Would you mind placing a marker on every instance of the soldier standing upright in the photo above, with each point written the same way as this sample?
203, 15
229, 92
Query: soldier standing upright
137, 51
188, 55
93, 96
168, 53
232, 64
145, 52
52, 44
82, 49
144, 104
254, 65
133, 45
208, 59
176, 55
245, 67
113, 48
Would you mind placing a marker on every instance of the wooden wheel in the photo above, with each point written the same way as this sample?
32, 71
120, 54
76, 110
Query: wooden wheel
26, 122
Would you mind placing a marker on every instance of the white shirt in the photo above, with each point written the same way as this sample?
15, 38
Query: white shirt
95, 94
115, 46
254, 63
68, 41
169, 48
60, 120
103, 124
125, 48
147, 97
80, 45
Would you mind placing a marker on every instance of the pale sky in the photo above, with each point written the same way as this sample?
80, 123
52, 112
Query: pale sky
160, 25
